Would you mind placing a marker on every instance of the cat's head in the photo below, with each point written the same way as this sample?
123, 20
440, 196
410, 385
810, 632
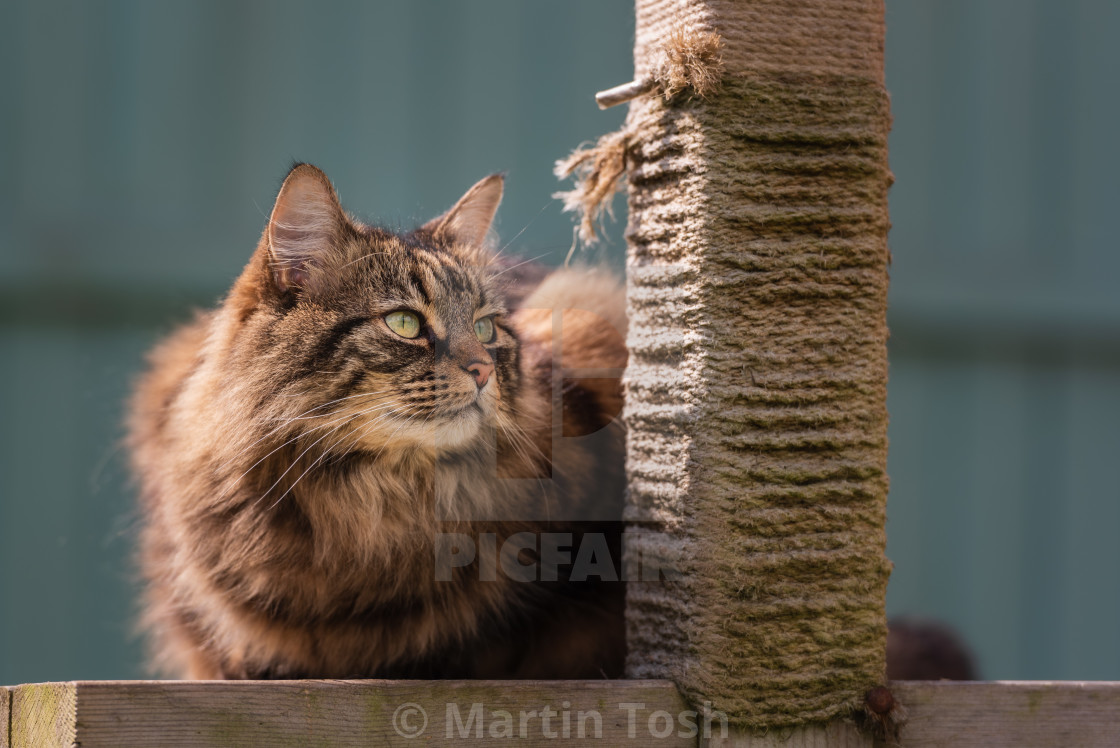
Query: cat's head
375, 339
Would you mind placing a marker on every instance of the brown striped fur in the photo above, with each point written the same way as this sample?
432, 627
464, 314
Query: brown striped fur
297, 459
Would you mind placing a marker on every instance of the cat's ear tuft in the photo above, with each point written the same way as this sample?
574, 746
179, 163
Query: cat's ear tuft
304, 225
469, 220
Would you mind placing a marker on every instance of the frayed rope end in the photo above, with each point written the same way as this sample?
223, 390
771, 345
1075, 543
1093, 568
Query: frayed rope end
686, 60
690, 60
597, 170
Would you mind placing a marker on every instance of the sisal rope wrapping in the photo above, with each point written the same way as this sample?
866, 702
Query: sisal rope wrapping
756, 390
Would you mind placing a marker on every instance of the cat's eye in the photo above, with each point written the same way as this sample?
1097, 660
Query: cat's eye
405, 324
484, 330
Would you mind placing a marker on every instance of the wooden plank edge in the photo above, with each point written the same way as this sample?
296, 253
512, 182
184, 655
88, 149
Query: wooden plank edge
42, 715
5, 717
198, 714
1008, 713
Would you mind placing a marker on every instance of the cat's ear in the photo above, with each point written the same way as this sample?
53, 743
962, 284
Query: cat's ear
304, 225
469, 220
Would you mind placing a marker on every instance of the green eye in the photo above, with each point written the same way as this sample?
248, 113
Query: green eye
484, 330
405, 324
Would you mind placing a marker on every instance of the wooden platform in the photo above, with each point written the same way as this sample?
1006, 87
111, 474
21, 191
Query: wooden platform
127, 714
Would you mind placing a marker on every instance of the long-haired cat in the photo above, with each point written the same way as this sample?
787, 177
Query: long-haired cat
346, 468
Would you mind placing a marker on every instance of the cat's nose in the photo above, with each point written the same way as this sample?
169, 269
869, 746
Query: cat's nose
481, 372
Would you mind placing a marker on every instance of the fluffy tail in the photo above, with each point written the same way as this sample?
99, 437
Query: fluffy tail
591, 326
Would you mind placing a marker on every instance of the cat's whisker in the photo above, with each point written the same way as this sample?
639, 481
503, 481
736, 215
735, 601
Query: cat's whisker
515, 430
316, 461
357, 434
332, 402
280, 427
290, 488
325, 451
526, 262
513, 441
521, 440
620, 422
368, 428
284, 421
297, 437
294, 463
364, 257
305, 416
522, 231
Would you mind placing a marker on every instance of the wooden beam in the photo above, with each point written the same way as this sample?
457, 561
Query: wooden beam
197, 714
1008, 713
201, 714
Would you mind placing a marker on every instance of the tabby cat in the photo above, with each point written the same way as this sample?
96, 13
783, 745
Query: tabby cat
319, 457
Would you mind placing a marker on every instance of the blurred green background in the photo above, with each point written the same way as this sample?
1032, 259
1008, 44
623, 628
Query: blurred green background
141, 144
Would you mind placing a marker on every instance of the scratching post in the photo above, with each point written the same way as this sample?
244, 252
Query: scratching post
756, 391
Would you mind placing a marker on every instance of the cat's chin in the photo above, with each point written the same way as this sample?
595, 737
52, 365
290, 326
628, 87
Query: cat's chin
448, 433
456, 430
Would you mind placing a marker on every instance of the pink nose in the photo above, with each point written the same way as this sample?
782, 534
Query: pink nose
481, 372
